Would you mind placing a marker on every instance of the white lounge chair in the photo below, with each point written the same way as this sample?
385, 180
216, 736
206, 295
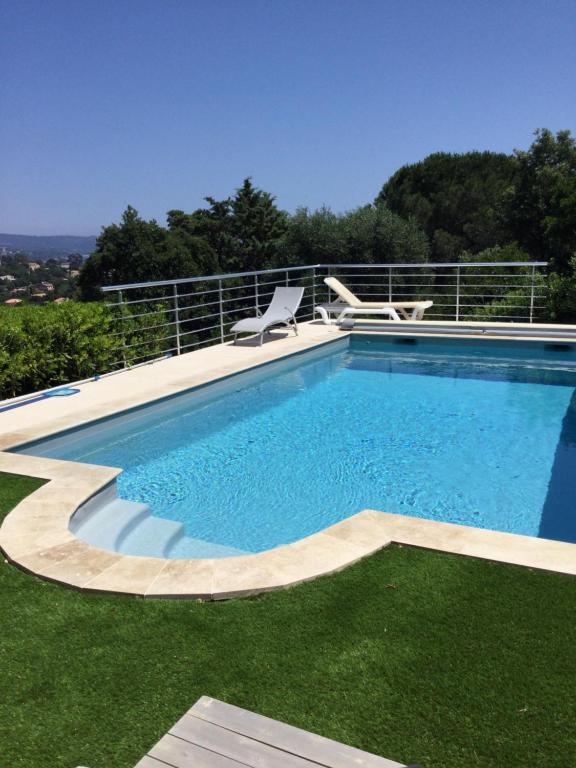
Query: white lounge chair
282, 311
349, 304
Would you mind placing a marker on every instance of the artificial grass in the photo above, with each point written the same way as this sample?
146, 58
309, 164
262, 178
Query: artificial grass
414, 655
13, 488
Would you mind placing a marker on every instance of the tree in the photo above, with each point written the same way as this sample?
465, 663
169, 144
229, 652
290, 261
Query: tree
313, 237
187, 253
138, 251
458, 200
74, 261
128, 252
258, 227
369, 234
246, 230
374, 234
212, 225
542, 205
561, 295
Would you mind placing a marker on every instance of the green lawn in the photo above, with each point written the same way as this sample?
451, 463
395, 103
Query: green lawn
414, 655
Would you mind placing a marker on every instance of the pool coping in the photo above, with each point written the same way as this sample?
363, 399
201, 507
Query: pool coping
35, 535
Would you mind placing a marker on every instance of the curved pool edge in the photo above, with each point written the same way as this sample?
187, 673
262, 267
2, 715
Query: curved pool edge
35, 536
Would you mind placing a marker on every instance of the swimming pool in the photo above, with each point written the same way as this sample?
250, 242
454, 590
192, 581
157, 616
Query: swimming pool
476, 433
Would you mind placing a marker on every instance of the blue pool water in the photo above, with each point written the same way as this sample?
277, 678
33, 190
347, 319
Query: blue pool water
477, 434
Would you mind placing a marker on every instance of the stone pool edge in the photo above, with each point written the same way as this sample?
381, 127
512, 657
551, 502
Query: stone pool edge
35, 534
35, 537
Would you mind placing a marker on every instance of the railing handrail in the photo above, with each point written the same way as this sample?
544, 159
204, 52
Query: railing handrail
443, 264
203, 279
255, 273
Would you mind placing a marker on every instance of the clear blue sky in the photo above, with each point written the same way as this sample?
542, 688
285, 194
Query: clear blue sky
158, 103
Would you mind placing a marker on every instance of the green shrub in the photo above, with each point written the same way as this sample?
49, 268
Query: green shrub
45, 345
42, 346
562, 295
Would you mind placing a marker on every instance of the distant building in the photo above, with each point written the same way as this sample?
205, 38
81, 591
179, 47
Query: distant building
74, 272
7, 278
13, 302
33, 266
15, 291
44, 287
61, 300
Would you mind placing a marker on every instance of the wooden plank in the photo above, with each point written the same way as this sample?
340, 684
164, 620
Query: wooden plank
295, 741
149, 762
178, 753
235, 745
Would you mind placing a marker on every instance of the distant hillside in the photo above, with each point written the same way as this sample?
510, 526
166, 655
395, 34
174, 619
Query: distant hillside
49, 246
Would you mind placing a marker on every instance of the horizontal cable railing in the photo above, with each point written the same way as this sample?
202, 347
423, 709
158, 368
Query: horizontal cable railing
167, 317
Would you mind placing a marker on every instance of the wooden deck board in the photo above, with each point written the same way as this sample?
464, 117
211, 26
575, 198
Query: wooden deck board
213, 734
180, 753
286, 738
149, 762
234, 745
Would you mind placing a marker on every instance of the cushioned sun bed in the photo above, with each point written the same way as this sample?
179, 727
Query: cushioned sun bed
349, 304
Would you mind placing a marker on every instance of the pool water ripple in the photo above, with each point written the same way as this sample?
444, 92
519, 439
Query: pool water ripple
450, 437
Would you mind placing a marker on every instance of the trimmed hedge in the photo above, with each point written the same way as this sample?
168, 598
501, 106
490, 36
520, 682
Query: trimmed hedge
46, 345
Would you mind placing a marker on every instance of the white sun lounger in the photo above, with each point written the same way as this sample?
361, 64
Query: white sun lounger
282, 311
349, 304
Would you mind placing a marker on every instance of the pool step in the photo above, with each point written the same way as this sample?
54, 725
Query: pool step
186, 547
151, 537
105, 526
128, 527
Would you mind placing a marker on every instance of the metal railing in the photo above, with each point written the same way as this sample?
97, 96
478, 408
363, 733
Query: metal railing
175, 316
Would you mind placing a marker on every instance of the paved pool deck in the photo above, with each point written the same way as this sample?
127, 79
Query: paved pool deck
36, 536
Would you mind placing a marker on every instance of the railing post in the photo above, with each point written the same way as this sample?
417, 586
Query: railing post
177, 318
120, 306
256, 297
329, 289
532, 294
457, 294
313, 291
220, 304
389, 283
287, 281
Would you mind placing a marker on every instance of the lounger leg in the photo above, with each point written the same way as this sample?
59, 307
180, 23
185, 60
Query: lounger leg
323, 314
292, 324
